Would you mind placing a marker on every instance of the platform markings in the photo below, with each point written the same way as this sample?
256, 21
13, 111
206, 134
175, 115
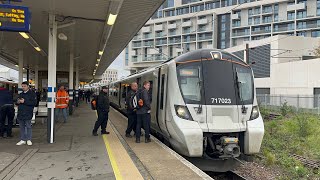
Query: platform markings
112, 159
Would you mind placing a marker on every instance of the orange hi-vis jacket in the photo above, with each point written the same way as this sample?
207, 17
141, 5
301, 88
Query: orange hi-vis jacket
62, 99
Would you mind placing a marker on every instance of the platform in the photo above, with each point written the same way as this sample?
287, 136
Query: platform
77, 154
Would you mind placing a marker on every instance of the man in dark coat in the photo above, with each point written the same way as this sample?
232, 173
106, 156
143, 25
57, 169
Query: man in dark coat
27, 100
6, 110
143, 113
131, 101
103, 106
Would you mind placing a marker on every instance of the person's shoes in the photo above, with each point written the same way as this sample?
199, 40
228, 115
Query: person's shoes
137, 140
94, 133
128, 135
29, 143
147, 140
21, 143
105, 132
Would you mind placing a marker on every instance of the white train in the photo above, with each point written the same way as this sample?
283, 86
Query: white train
204, 104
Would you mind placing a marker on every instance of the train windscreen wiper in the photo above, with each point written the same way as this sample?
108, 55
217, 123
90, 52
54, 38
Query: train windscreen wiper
239, 83
199, 110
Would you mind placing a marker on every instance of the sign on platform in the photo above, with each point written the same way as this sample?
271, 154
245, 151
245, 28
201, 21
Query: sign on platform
14, 18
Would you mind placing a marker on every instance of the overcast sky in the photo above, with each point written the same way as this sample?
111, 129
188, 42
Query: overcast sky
118, 64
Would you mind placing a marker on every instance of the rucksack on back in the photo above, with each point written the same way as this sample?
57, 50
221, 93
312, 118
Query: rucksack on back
133, 101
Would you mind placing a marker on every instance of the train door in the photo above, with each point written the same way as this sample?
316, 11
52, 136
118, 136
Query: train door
162, 100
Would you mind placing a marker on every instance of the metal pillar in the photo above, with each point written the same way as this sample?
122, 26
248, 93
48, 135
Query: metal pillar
71, 84
36, 77
77, 84
52, 66
28, 74
247, 54
20, 71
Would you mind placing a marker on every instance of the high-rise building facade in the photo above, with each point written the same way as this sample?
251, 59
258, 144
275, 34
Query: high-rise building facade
108, 76
180, 26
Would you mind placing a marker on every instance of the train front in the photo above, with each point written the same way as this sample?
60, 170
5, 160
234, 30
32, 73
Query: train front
219, 96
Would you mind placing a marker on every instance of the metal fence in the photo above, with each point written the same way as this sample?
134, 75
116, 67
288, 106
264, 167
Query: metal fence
298, 103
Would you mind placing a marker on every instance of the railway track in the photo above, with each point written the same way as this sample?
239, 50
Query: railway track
230, 175
307, 162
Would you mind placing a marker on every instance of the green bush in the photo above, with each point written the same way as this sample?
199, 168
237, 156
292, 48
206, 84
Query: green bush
285, 109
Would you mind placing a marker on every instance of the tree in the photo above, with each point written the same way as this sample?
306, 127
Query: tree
316, 51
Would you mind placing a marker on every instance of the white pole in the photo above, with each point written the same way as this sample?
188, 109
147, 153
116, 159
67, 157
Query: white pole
20, 70
52, 66
71, 71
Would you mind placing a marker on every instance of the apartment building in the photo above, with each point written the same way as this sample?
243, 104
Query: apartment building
108, 76
180, 26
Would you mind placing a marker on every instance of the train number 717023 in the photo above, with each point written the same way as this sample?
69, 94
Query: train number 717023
221, 100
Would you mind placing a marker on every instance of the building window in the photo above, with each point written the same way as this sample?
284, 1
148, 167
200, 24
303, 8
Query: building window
315, 33
250, 21
276, 18
301, 14
301, 34
291, 15
200, 45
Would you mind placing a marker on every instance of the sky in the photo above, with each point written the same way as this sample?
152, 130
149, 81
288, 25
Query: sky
118, 64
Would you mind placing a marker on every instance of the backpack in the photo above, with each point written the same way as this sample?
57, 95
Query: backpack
94, 103
133, 101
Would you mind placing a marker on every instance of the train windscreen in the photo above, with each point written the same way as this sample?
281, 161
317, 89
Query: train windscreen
215, 82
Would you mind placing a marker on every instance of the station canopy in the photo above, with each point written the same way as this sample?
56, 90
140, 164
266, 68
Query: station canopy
83, 29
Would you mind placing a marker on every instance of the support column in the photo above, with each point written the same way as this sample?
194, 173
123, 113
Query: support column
36, 77
20, 71
71, 84
52, 73
28, 74
77, 84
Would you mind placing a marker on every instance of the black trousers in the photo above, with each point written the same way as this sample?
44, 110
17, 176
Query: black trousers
88, 99
132, 123
101, 121
143, 120
6, 111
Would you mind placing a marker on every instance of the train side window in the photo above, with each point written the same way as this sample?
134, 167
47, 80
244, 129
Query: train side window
162, 90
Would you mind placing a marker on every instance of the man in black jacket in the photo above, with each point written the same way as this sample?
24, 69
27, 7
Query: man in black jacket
6, 110
143, 113
131, 111
103, 112
27, 100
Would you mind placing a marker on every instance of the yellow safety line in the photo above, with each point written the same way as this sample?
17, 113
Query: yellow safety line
112, 159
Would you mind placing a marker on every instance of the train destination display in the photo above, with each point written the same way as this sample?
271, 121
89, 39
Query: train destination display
14, 18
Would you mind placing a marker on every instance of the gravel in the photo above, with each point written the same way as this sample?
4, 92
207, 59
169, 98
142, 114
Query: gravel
252, 170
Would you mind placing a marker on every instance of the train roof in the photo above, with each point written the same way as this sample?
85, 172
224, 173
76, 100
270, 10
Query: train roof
196, 54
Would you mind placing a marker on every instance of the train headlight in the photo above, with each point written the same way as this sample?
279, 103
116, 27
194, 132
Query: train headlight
183, 112
254, 113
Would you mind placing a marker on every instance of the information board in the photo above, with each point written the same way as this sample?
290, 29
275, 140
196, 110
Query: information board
14, 18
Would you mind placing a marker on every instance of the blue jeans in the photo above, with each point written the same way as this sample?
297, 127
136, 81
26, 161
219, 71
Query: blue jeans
64, 113
25, 130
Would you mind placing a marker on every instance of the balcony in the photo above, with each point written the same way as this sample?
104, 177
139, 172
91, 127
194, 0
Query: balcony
136, 45
187, 24
149, 58
186, 31
172, 33
189, 39
261, 32
281, 29
161, 42
148, 43
147, 36
136, 38
174, 41
159, 34
296, 7
240, 33
202, 29
235, 16
172, 26
207, 37
202, 21
158, 27
146, 29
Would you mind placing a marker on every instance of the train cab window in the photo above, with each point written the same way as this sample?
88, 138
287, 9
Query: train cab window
190, 82
150, 91
162, 90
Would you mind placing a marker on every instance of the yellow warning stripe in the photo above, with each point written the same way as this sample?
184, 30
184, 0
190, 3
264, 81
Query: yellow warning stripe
112, 159
114, 164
